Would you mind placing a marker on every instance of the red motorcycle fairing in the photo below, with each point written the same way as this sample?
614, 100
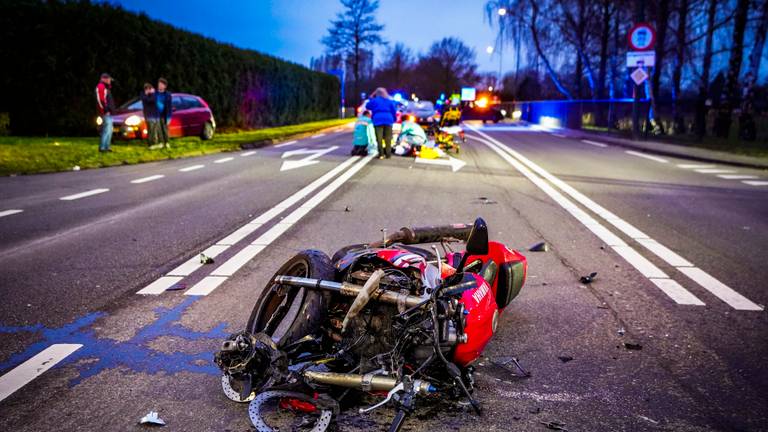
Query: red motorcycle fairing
481, 315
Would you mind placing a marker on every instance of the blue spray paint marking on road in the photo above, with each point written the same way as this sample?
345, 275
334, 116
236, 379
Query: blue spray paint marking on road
134, 354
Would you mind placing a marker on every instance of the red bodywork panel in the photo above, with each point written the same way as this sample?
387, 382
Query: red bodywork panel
481, 310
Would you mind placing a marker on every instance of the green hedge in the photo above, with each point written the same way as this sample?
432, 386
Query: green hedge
53, 53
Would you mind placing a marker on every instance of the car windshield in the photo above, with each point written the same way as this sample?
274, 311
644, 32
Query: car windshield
421, 106
132, 105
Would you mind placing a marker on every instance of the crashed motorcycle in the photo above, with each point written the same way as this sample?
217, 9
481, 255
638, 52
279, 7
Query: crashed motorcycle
386, 319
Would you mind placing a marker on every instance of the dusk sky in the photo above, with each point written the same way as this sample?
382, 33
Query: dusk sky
292, 29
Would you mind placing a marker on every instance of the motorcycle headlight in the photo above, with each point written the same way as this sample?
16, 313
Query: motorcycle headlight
133, 120
99, 121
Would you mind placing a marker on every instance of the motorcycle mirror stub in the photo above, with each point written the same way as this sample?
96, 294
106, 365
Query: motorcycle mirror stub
477, 242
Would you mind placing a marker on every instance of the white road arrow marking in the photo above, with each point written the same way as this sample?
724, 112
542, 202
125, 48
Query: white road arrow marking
455, 164
309, 160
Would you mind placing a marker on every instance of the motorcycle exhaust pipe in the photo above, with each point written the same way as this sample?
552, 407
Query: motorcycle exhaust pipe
350, 290
367, 382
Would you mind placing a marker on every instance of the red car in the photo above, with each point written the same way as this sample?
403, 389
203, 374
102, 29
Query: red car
190, 116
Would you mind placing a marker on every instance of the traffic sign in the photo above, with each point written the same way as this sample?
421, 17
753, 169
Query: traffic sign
641, 37
641, 58
639, 75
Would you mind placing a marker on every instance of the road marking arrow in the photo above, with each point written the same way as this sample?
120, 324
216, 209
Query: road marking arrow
455, 164
309, 160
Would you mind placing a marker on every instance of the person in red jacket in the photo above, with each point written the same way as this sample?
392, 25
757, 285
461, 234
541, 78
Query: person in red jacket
106, 107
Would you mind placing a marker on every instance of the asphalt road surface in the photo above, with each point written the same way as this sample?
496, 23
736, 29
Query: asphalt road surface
106, 313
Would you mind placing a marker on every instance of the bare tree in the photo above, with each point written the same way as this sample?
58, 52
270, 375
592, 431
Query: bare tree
397, 63
677, 74
730, 97
747, 130
701, 102
447, 65
354, 30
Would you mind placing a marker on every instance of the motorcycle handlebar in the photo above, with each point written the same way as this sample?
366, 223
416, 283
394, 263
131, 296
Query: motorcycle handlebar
428, 234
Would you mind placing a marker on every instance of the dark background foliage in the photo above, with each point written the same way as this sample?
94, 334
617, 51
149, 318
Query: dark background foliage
53, 53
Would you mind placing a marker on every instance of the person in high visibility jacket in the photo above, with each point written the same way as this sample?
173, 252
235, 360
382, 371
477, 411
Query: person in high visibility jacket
364, 136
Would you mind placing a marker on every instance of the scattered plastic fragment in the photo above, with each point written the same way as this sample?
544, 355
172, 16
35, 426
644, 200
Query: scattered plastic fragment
633, 346
588, 279
621, 331
177, 286
486, 200
602, 306
204, 259
539, 247
648, 419
347, 209
554, 425
153, 419
565, 359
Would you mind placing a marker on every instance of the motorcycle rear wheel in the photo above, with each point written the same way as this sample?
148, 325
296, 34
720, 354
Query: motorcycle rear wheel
291, 313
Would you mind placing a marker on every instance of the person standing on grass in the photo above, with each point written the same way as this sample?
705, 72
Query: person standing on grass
384, 114
163, 102
152, 120
106, 107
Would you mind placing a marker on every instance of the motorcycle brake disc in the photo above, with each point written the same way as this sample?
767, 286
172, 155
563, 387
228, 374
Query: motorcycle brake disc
254, 411
231, 393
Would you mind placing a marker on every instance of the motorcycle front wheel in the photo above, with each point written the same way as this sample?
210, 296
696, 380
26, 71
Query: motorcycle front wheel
289, 313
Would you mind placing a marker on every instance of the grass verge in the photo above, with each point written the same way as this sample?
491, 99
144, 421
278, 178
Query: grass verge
31, 155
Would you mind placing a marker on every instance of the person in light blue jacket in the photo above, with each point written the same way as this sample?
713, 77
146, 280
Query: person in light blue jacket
364, 137
384, 115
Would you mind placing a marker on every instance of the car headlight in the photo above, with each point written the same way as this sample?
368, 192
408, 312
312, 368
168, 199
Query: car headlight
99, 121
133, 120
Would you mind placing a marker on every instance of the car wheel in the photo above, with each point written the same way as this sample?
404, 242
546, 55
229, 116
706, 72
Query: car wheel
208, 131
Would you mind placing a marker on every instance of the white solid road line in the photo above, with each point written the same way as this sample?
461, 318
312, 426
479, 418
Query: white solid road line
192, 168
147, 179
736, 176
674, 290
249, 252
9, 212
594, 143
22, 374
713, 171
694, 166
317, 136
286, 144
223, 160
248, 153
659, 250
192, 264
84, 194
755, 183
719, 289
647, 156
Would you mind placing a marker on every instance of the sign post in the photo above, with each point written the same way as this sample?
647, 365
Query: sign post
641, 39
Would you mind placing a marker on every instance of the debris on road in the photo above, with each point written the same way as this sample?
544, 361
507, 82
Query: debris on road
555, 425
565, 359
535, 410
648, 419
177, 287
76, 168
347, 209
539, 247
602, 306
588, 279
486, 200
152, 418
621, 331
633, 346
205, 259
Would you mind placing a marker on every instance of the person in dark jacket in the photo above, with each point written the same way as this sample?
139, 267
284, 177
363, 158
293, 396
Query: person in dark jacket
149, 105
163, 102
106, 107
384, 115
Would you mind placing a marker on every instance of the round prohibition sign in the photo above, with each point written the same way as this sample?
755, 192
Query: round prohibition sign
641, 37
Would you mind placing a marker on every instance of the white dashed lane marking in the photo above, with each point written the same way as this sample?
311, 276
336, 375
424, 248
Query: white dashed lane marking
755, 183
84, 194
594, 143
736, 176
286, 144
9, 212
223, 160
147, 179
318, 136
714, 171
646, 156
248, 153
22, 374
694, 166
192, 168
